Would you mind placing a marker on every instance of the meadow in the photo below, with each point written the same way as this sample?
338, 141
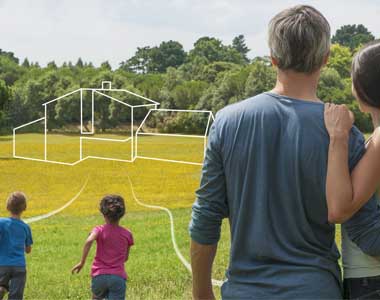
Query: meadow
155, 271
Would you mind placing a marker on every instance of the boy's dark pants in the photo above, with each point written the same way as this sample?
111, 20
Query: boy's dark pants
362, 288
13, 279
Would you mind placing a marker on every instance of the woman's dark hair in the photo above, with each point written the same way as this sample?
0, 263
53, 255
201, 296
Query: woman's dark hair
112, 207
366, 74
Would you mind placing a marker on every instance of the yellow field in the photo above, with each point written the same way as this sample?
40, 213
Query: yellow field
50, 185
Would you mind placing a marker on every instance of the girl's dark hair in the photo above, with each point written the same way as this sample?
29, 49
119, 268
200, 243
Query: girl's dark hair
112, 207
366, 74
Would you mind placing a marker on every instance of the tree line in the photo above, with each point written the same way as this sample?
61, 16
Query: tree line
209, 76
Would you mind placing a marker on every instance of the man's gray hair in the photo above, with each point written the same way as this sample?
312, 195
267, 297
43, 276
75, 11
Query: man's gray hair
299, 39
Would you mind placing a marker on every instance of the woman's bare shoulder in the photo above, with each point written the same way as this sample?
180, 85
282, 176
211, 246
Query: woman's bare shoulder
376, 137
374, 140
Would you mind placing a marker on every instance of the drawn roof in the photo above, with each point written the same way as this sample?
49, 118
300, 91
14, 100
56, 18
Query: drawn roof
122, 96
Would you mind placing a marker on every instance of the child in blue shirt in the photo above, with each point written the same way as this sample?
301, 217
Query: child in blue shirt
15, 240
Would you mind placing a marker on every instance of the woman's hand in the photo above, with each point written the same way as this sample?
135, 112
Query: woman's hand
338, 120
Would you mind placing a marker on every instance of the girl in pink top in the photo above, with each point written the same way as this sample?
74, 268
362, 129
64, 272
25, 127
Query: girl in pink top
112, 251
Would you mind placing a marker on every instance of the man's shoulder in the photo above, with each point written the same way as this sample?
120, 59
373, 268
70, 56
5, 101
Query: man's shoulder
356, 137
355, 132
245, 106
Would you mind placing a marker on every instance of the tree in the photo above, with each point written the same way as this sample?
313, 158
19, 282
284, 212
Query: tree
352, 36
168, 54
331, 86
210, 77
26, 63
106, 66
3, 122
340, 59
10, 71
139, 63
89, 65
213, 50
362, 120
211, 71
230, 88
19, 109
52, 65
10, 55
210, 48
193, 69
79, 63
5, 95
173, 78
156, 59
35, 65
187, 94
35, 96
149, 85
262, 78
239, 44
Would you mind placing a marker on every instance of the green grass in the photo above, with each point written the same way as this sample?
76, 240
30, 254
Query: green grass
153, 268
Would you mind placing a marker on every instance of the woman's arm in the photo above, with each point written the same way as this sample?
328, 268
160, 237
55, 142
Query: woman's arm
347, 194
366, 175
86, 249
339, 194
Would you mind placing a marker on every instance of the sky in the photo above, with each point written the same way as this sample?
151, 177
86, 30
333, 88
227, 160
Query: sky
100, 30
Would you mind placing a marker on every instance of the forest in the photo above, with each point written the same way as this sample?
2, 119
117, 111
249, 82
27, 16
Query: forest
209, 76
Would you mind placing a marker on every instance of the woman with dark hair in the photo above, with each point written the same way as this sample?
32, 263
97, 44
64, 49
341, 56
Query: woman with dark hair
346, 193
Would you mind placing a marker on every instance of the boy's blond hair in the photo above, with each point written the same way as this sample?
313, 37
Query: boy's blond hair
16, 203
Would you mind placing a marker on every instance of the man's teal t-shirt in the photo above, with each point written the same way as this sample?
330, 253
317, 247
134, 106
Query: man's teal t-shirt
265, 170
15, 235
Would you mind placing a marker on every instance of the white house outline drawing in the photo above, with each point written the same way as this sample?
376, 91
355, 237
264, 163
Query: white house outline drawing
107, 87
139, 132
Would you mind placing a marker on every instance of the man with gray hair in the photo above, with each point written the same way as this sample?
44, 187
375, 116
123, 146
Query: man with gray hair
265, 170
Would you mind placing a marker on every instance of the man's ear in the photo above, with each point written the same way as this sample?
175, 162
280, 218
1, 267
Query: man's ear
274, 61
